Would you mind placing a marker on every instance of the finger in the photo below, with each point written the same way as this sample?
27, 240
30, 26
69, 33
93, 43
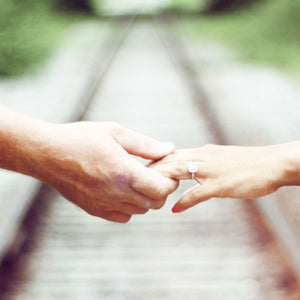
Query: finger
194, 196
126, 182
133, 198
113, 216
177, 170
150, 183
132, 209
141, 201
180, 155
140, 145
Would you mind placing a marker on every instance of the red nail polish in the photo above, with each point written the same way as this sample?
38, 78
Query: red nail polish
175, 209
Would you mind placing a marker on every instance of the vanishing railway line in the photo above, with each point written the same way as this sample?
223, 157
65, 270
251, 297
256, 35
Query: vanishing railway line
222, 249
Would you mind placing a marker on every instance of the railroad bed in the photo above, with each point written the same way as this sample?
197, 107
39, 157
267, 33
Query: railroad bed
221, 249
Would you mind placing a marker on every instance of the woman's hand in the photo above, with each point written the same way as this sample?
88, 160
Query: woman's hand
233, 171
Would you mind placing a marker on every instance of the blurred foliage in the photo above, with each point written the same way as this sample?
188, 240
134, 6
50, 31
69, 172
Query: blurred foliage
210, 6
30, 30
81, 5
223, 5
187, 5
96, 6
267, 32
90, 6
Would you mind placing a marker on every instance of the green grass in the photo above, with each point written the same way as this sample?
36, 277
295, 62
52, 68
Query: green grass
30, 31
267, 33
188, 5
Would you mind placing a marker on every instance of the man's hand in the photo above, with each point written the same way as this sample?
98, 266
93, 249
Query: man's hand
90, 164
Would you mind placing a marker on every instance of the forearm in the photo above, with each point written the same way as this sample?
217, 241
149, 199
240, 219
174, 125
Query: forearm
23, 142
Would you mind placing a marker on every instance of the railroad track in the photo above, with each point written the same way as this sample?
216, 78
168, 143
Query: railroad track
222, 249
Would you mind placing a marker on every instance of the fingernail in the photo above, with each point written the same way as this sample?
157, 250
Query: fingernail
175, 209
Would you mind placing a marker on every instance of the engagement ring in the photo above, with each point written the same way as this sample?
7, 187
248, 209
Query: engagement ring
192, 168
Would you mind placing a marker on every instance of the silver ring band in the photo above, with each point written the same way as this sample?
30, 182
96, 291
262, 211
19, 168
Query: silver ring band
192, 169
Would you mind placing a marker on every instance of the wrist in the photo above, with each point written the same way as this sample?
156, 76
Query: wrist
290, 161
37, 144
23, 141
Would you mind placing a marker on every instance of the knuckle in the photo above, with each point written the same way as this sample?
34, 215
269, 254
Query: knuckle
120, 177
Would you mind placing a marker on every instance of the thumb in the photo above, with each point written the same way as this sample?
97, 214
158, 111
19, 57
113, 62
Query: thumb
141, 145
193, 196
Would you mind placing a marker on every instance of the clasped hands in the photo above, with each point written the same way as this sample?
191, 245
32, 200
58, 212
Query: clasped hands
93, 165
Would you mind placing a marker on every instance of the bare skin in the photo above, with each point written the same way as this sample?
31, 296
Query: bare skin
233, 171
89, 163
